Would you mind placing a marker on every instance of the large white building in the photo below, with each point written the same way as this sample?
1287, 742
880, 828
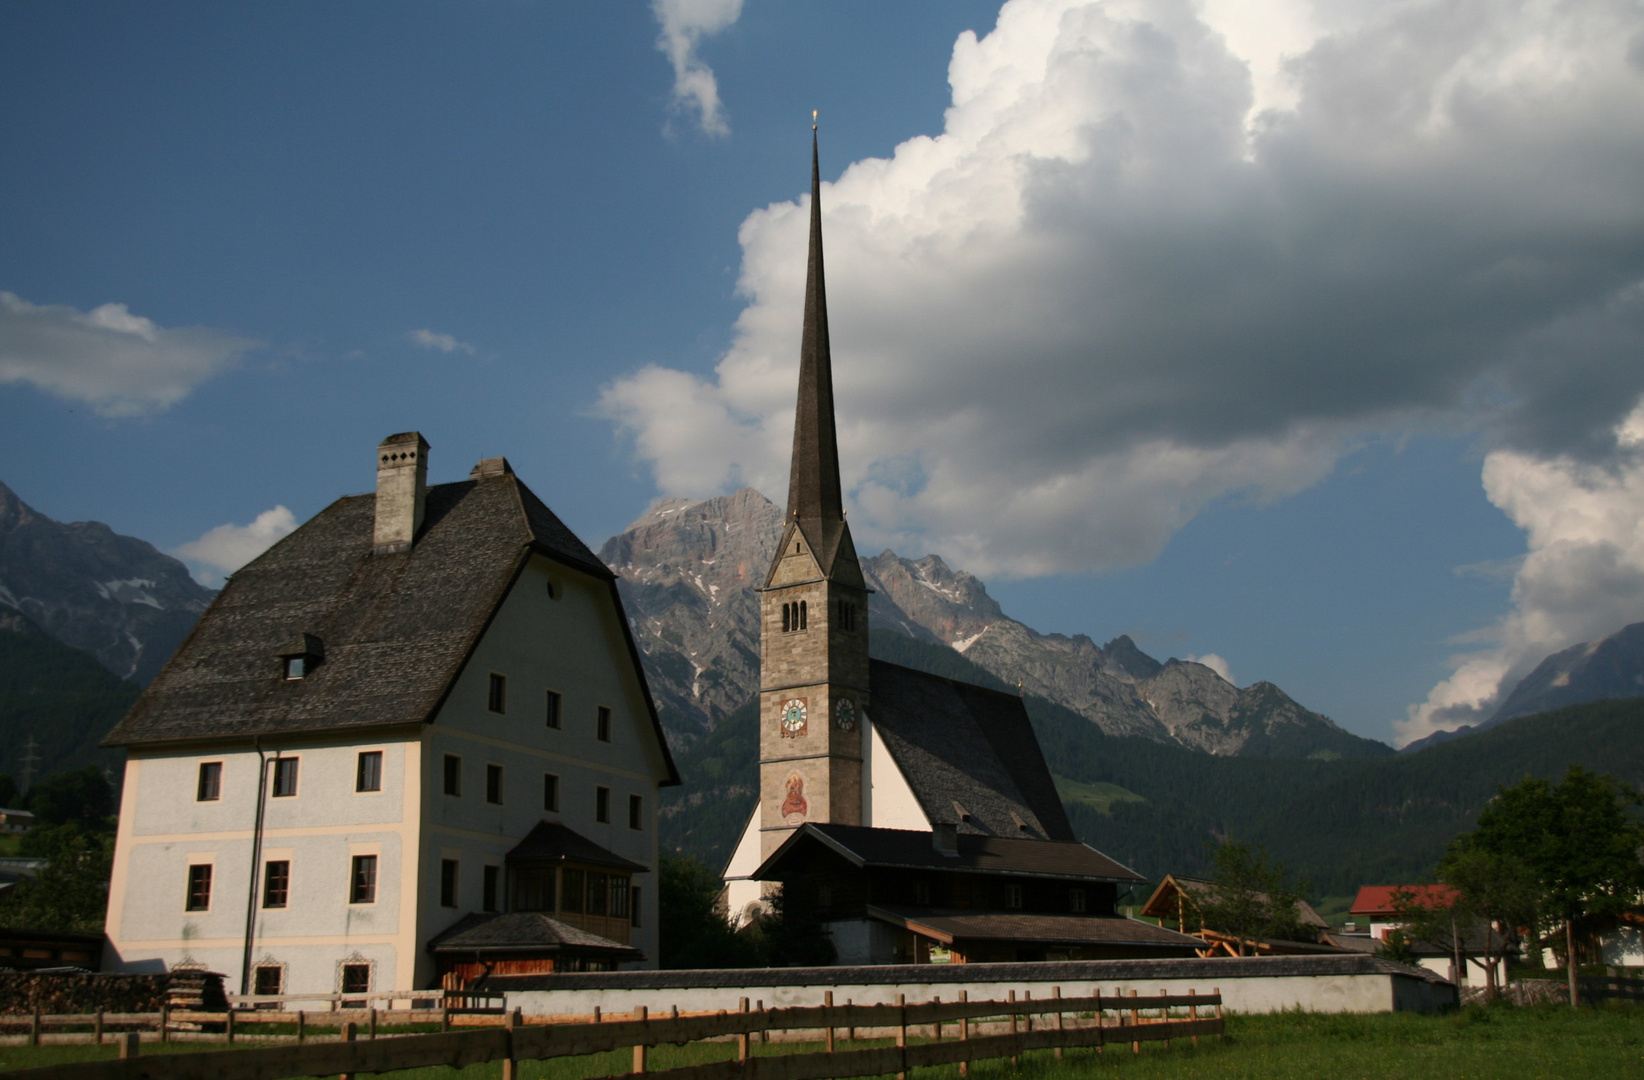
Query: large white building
410, 744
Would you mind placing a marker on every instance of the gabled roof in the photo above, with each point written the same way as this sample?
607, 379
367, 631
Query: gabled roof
527, 932
1378, 899
553, 841
957, 743
948, 926
1161, 904
863, 847
397, 629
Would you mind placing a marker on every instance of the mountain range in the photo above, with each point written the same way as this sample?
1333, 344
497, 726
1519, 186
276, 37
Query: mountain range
690, 571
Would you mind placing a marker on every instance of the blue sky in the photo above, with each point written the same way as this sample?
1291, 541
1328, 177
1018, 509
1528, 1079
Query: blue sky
1305, 336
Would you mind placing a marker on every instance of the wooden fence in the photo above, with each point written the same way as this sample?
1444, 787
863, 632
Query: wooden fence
955, 1030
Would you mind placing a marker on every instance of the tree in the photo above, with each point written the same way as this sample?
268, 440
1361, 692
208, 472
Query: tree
80, 796
1252, 897
71, 891
1496, 892
1578, 842
692, 925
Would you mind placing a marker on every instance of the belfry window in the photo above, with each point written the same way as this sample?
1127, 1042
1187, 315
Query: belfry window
794, 616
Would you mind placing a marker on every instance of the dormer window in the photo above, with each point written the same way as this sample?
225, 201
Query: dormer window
301, 655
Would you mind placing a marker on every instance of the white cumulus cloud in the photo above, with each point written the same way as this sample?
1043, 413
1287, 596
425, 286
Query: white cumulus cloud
222, 550
1215, 663
122, 364
684, 24
1163, 254
445, 343
1582, 579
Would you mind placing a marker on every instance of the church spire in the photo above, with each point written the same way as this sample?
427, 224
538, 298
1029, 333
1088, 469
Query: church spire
814, 496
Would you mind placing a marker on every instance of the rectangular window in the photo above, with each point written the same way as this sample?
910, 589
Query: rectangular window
633, 902
552, 714
550, 792
1013, 896
285, 777
571, 895
363, 882
636, 812
356, 978
210, 788
602, 724
599, 893
296, 667
199, 887
270, 979
602, 804
493, 876
533, 888
619, 897
493, 784
368, 772
453, 774
496, 698
921, 893
448, 882
276, 883
1076, 900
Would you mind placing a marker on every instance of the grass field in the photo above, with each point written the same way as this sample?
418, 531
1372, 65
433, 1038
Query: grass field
1475, 1044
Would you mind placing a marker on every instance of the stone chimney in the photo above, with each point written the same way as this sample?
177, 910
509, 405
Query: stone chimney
402, 489
945, 838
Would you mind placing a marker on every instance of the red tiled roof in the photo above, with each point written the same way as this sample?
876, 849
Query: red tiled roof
1378, 899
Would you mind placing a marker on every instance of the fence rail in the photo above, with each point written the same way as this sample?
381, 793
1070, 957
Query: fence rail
1072, 1022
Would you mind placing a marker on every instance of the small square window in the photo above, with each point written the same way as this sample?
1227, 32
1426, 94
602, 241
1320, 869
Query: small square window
602, 724
210, 787
636, 809
270, 980
602, 804
296, 667
489, 887
285, 777
276, 883
453, 774
362, 887
493, 784
199, 887
496, 698
551, 715
1076, 900
368, 773
550, 792
356, 978
1013, 896
448, 882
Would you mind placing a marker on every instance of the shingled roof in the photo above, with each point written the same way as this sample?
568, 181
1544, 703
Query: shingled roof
525, 932
396, 629
966, 747
947, 926
864, 846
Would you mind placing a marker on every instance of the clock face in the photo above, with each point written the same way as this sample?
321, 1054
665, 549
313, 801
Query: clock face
793, 717
844, 714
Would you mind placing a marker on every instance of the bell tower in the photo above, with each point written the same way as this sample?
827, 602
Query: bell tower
813, 660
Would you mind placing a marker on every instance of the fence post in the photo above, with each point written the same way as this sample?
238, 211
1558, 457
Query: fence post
510, 1066
742, 1039
827, 1003
936, 1025
302, 1027
1101, 1030
1221, 1030
228, 1027
964, 1036
1193, 1013
1135, 1019
97, 1028
371, 1022
131, 1043
1056, 992
902, 1034
643, 1015
165, 1021
348, 1034
1164, 1016
1013, 1057
445, 1014
850, 1031
34, 1028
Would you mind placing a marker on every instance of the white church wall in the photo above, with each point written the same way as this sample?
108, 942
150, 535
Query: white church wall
890, 802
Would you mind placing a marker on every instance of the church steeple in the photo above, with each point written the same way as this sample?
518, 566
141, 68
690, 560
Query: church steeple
815, 500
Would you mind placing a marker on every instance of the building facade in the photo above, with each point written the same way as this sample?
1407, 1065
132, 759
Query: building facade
421, 709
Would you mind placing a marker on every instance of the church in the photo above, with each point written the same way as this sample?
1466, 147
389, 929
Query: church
914, 814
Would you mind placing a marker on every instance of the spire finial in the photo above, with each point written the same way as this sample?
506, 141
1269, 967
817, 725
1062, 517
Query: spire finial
813, 119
